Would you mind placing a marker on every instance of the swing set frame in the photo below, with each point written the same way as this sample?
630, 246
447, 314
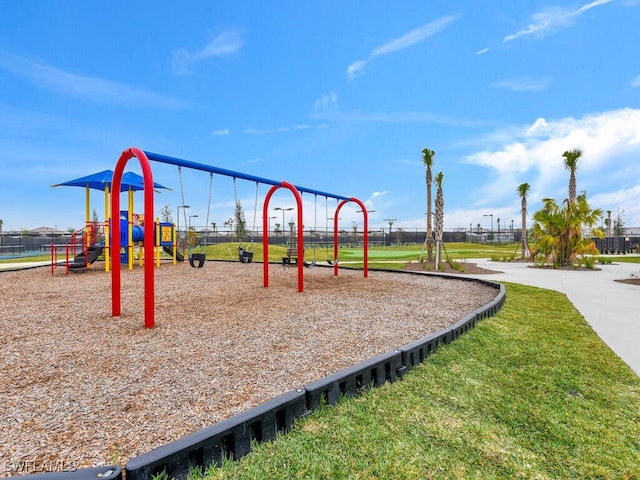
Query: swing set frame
145, 158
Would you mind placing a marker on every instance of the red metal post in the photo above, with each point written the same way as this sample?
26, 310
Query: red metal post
365, 238
265, 241
149, 293
54, 258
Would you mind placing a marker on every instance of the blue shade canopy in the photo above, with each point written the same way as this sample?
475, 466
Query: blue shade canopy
100, 180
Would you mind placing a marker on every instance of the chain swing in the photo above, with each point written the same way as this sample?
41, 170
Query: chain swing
331, 262
246, 256
313, 242
198, 259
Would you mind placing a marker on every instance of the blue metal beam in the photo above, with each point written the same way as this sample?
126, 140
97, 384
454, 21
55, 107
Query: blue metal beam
156, 157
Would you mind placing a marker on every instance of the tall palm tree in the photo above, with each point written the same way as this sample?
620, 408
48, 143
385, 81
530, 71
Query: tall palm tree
571, 158
428, 159
523, 191
439, 215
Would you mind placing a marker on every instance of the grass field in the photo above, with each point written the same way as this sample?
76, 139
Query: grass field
529, 393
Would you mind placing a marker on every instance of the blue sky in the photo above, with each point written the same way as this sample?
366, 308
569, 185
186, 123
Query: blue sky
336, 96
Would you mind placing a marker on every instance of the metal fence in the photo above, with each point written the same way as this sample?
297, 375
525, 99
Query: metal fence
22, 243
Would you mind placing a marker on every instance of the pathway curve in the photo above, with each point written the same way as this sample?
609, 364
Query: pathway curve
611, 308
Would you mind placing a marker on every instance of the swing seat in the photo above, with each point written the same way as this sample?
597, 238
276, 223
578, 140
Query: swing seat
332, 263
196, 260
244, 256
310, 264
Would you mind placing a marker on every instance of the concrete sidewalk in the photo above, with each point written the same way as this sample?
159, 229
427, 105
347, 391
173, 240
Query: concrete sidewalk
12, 266
611, 308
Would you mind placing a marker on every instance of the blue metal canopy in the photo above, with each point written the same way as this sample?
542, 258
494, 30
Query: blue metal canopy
101, 180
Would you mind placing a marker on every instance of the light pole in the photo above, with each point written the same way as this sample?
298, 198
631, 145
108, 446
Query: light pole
269, 223
390, 220
490, 215
283, 210
184, 207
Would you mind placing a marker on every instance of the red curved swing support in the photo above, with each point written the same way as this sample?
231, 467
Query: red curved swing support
149, 288
265, 236
148, 239
365, 239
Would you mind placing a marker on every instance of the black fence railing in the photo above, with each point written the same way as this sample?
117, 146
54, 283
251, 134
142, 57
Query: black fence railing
12, 244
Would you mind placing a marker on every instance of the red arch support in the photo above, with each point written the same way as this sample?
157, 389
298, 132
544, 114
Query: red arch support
149, 287
265, 236
365, 252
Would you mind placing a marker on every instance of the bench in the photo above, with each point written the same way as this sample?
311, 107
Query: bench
292, 254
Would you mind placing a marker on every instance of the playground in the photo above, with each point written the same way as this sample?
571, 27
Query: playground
85, 387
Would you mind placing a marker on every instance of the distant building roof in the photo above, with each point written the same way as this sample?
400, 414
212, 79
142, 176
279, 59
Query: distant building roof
46, 231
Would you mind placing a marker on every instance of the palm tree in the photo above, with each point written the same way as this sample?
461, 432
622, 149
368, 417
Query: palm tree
428, 159
439, 215
523, 190
571, 158
558, 231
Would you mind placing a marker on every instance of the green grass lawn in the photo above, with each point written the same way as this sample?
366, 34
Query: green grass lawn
529, 393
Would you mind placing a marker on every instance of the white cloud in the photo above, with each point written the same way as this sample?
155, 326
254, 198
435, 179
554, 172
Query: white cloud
482, 51
257, 131
553, 18
610, 142
327, 103
223, 44
253, 160
92, 89
636, 82
266, 131
524, 84
379, 194
355, 68
221, 132
413, 37
405, 41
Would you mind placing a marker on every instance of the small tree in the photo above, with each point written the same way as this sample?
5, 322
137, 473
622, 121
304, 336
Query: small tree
439, 180
428, 159
192, 237
354, 227
165, 214
619, 224
240, 222
523, 190
229, 223
292, 233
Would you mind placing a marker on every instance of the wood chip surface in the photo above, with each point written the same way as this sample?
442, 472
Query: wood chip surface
80, 388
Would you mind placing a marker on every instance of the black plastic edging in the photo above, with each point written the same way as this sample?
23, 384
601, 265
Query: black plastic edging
230, 438
351, 381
